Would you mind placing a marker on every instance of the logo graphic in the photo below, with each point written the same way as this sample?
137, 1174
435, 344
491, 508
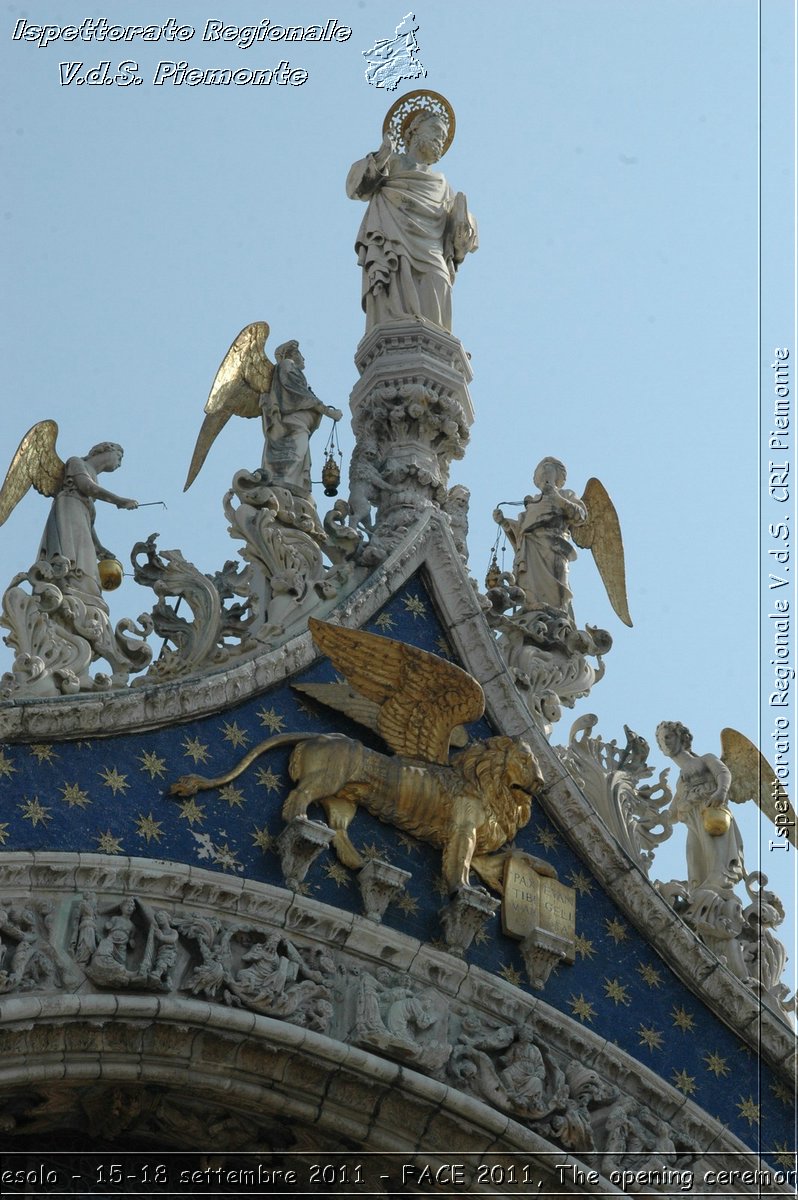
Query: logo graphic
390, 60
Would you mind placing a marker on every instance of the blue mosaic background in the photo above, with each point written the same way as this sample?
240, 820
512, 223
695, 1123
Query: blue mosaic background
110, 795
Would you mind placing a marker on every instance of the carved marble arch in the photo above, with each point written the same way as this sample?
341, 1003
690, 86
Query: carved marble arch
234, 1098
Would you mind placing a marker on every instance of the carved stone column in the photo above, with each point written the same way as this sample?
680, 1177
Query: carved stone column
411, 414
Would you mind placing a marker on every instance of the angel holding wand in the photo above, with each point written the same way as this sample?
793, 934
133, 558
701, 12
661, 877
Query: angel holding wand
69, 531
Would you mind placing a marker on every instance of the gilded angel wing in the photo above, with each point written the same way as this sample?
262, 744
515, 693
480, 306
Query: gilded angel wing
421, 697
245, 374
344, 699
35, 464
601, 534
753, 778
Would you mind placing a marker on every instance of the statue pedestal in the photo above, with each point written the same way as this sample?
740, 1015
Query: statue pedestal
380, 883
466, 913
299, 845
411, 414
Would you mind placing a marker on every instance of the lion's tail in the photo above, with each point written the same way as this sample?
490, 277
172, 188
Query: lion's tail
189, 785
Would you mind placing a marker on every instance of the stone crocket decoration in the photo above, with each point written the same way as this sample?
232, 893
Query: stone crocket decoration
540, 639
715, 862
471, 805
416, 230
62, 626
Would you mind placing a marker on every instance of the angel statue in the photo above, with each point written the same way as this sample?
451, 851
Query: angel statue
470, 805
69, 531
715, 863
705, 785
62, 625
543, 538
416, 230
248, 384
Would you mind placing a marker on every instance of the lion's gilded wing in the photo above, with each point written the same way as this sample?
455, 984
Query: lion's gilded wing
35, 464
244, 375
601, 534
753, 778
421, 697
344, 699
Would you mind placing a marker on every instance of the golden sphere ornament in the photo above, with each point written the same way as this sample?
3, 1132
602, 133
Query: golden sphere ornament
111, 573
717, 821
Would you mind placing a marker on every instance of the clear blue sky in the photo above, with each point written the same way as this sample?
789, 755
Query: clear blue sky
609, 149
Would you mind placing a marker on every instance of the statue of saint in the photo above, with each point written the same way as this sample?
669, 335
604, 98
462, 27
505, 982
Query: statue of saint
416, 230
291, 413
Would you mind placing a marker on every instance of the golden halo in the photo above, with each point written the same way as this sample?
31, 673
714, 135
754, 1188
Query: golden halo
403, 110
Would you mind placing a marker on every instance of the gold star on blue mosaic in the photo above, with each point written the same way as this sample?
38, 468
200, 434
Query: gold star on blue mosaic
684, 1082
481, 936
372, 851
192, 811
148, 828
226, 858
196, 750
782, 1092
235, 736
233, 795
267, 778
407, 843
262, 838
717, 1065
616, 991
443, 647
784, 1156
6, 766
74, 795
440, 887
749, 1110
385, 621
112, 779
271, 719
510, 974
108, 844
34, 812
548, 839
582, 1008
682, 1019
616, 930
651, 1037
650, 974
4, 834
406, 904
581, 882
152, 764
337, 874
43, 752
415, 606
583, 946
